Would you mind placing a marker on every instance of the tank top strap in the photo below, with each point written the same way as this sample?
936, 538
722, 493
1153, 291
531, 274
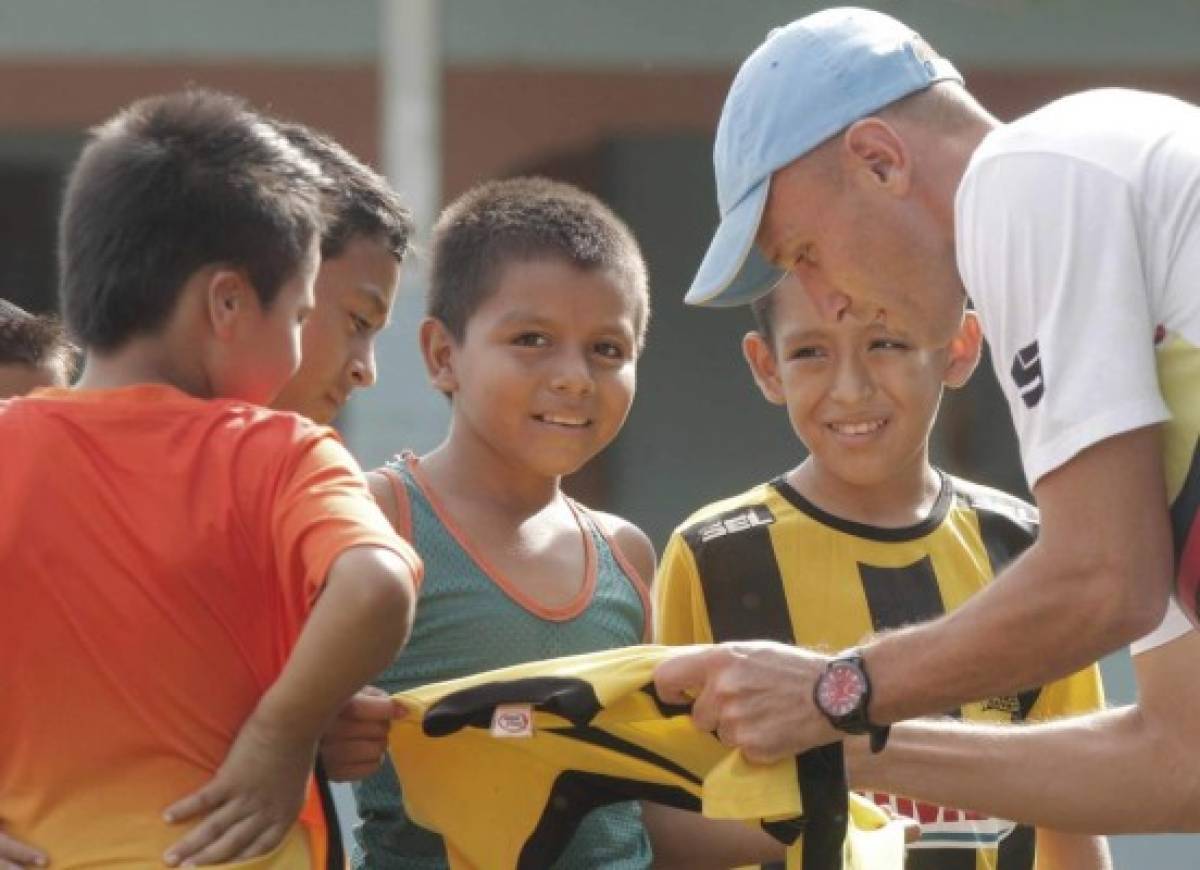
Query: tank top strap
398, 472
607, 546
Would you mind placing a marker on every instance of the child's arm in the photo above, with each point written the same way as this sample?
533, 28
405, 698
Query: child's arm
354, 745
18, 856
357, 625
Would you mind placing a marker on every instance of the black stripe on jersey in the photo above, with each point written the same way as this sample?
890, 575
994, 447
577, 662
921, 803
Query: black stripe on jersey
940, 859
927, 526
743, 589
826, 798
1008, 526
902, 596
576, 793
1017, 849
745, 599
608, 740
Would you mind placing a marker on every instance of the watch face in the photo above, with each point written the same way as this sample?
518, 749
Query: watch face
841, 689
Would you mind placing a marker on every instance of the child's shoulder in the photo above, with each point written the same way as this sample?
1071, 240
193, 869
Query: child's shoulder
731, 508
992, 502
632, 543
388, 489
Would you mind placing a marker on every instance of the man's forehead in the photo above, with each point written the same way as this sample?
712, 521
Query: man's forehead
792, 199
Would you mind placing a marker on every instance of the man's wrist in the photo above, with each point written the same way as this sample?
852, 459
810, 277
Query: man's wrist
843, 694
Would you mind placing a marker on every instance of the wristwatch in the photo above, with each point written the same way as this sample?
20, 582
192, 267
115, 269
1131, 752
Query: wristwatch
842, 694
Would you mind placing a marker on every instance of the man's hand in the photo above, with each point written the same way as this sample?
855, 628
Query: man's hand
757, 696
354, 745
251, 803
18, 856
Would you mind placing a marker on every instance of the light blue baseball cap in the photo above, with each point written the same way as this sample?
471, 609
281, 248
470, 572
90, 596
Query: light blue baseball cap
807, 82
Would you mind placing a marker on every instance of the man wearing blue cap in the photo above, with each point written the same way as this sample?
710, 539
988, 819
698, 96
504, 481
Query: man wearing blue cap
849, 154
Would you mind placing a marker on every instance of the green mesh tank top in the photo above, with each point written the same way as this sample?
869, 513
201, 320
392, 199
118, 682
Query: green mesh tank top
468, 620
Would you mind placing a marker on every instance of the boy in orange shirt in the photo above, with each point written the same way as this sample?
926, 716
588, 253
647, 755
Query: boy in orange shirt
180, 628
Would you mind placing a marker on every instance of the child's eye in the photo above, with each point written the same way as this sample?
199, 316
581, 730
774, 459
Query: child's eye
887, 344
531, 339
806, 353
610, 350
361, 325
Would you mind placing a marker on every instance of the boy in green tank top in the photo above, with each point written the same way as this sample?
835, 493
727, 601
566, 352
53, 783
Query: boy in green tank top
537, 310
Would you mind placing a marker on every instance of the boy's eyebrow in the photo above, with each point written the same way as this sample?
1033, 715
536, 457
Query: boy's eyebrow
378, 300
802, 335
534, 318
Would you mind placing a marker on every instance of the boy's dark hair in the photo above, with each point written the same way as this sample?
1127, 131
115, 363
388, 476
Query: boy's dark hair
522, 219
358, 201
763, 309
170, 184
33, 340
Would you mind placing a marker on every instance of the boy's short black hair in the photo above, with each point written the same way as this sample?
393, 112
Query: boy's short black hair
37, 341
521, 219
358, 201
170, 184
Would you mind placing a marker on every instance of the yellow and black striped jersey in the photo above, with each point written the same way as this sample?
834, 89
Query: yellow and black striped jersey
505, 764
770, 565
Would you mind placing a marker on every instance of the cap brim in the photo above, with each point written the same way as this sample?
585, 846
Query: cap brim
733, 271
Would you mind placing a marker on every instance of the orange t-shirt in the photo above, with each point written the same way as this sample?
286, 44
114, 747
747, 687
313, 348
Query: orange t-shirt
158, 557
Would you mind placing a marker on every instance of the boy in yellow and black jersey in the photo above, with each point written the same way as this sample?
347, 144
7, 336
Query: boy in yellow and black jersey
865, 535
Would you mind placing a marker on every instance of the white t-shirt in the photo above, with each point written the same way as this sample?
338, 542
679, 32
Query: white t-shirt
1078, 239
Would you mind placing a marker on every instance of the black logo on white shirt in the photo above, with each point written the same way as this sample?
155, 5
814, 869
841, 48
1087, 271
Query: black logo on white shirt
1027, 374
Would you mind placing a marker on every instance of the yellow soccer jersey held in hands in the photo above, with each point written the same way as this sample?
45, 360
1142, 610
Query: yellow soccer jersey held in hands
506, 763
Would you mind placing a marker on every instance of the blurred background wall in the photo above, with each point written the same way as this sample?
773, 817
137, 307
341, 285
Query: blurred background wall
619, 96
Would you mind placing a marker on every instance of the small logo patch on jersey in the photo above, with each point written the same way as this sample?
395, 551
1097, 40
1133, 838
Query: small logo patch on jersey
1027, 374
748, 518
512, 720
1004, 704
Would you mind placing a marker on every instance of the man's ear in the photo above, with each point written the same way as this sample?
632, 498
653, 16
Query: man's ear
964, 351
229, 298
874, 152
437, 349
763, 365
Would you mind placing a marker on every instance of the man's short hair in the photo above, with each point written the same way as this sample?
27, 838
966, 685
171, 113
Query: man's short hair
358, 201
171, 184
37, 341
518, 220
